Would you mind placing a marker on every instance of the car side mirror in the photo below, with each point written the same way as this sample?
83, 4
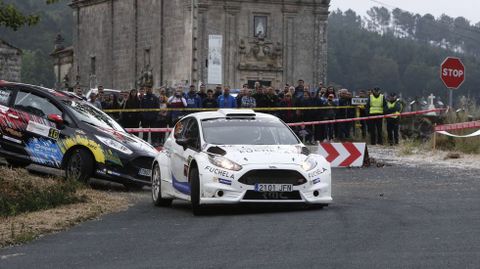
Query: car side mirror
56, 119
184, 142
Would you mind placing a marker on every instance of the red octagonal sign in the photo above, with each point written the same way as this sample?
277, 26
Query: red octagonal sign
452, 72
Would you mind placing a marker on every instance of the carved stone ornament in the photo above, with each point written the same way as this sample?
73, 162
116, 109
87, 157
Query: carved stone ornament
260, 55
146, 77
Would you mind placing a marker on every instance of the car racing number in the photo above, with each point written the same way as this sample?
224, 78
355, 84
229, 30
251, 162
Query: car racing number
54, 133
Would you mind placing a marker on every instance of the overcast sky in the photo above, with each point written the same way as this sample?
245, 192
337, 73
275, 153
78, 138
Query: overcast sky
470, 9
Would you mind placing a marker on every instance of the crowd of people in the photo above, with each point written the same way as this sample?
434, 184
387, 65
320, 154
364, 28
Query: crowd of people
327, 104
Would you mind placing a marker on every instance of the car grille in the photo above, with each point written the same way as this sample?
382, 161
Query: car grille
254, 195
136, 164
273, 177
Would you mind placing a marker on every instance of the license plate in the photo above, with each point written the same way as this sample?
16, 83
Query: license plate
274, 187
145, 172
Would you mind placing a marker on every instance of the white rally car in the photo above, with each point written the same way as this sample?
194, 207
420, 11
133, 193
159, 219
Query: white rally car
238, 156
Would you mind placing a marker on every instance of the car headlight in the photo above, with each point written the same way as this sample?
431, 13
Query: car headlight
309, 164
224, 163
114, 145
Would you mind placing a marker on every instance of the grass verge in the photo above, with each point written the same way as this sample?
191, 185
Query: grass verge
31, 206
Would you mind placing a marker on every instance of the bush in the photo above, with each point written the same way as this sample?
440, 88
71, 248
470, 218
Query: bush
22, 192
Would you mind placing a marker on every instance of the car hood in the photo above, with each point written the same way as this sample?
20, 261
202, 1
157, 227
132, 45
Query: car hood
132, 142
274, 154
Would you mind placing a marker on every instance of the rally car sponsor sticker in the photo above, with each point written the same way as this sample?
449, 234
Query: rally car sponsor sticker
43, 130
145, 172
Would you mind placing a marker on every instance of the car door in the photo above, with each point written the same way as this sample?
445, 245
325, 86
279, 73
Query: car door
41, 135
182, 155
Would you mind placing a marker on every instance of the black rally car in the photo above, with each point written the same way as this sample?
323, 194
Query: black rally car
60, 130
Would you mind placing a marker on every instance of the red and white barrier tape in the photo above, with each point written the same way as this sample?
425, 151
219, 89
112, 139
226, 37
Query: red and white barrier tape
167, 130
458, 126
366, 118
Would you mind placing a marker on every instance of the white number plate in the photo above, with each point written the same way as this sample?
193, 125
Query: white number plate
145, 172
274, 187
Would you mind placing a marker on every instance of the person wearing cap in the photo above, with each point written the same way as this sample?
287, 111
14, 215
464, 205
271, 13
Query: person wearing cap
393, 107
376, 106
218, 91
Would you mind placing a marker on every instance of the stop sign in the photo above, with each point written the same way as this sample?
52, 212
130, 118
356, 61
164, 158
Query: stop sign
452, 72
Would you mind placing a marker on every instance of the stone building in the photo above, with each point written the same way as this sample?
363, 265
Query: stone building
10, 62
229, 42
62, 64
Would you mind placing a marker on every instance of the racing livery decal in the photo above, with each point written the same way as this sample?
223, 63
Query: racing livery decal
44, 151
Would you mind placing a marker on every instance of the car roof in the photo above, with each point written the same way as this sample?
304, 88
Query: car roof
233, 113
52, 92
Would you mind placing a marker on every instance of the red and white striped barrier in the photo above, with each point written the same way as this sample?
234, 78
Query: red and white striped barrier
343, 154
458, 126
421, 112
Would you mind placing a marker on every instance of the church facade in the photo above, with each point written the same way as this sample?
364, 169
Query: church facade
229, 42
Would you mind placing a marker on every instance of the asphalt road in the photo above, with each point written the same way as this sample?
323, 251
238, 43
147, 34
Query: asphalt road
391, 217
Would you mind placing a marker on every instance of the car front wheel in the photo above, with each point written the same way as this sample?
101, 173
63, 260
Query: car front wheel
157, 188
79, 165
195, 193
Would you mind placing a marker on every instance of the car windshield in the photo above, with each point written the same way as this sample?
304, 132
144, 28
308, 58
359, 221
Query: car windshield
91, 115
247, 132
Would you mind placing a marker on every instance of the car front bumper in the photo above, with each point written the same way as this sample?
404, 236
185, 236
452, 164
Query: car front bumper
224, 187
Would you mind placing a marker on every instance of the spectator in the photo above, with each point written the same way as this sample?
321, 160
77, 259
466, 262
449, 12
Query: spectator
376, 106
291, 90
193, 99
300, 89
162, 116
363, 113
149, 119
393, 107
281, 95
241, 94
320, 130
177, 101
131, 119
106, 101
226, 100
79, 92
202, 92
248, 101
218, 91
307, 115
287, 115
210, 101
260, 98
345, 99
329, 114
141, 93
272, 98
114, 104
94, 101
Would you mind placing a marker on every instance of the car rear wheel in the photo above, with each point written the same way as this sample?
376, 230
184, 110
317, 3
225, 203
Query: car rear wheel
17, 163
197, 208
157, 189
79, 165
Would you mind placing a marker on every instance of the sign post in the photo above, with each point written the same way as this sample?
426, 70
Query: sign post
452, 73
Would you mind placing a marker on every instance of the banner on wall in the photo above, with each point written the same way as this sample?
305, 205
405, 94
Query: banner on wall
215, 59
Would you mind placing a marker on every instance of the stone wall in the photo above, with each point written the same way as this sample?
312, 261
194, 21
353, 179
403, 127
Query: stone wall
125, 36
10, 62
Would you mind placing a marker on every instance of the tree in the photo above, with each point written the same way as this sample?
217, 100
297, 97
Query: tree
13, 18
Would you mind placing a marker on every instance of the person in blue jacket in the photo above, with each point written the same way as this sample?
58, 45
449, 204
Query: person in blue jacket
193, 99
226, 100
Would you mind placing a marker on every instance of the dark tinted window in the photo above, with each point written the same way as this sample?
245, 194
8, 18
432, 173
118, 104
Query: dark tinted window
5, 94
34, 104
247, 132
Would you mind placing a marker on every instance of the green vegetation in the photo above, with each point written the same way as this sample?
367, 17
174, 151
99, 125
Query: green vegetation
21, 192
12, 17
399, 51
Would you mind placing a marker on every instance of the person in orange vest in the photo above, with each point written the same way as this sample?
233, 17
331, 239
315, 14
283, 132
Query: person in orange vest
376, 106
393, 107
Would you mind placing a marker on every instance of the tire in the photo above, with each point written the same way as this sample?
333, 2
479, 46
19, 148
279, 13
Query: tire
157, 189
79, 165
197, 209
17, 163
